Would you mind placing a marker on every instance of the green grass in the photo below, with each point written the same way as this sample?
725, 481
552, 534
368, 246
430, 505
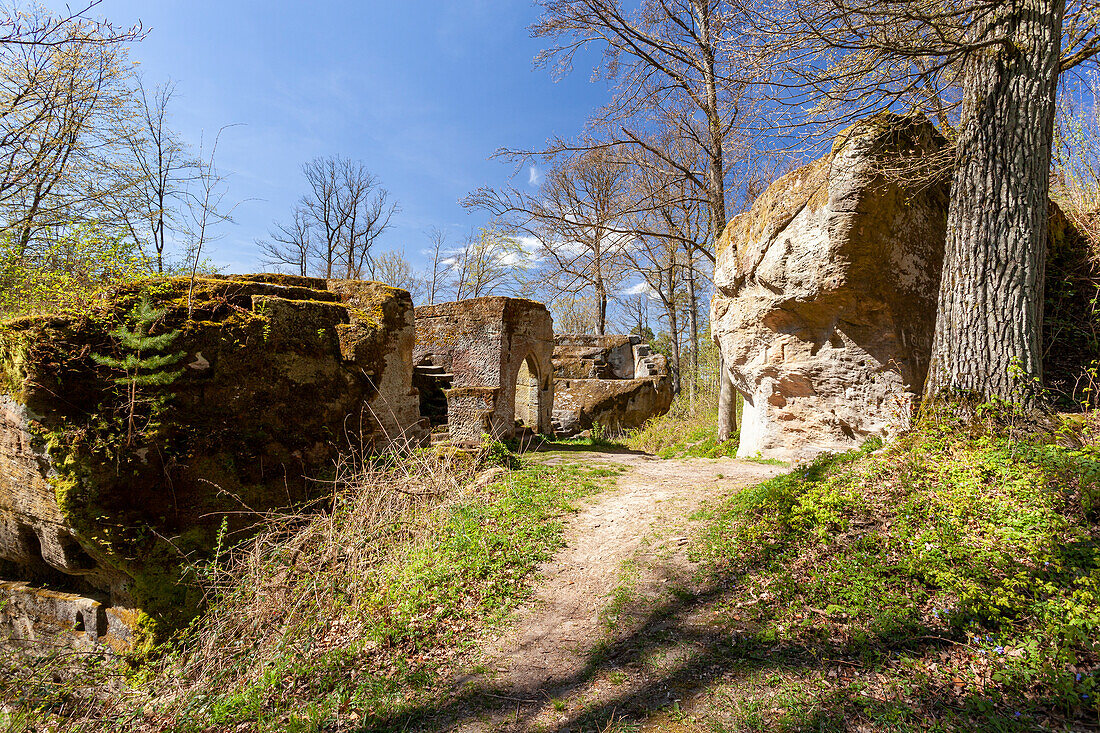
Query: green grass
622, 595
353, 658
953, 579
686, 431
474, 568
682, 436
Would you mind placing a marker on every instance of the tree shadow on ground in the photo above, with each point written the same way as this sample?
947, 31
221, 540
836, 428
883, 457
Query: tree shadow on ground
551, 446
703, 656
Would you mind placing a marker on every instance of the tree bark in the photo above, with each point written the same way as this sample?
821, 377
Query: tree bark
601, 307
716, 174
673, 328
988, 326
693, 322
727, 402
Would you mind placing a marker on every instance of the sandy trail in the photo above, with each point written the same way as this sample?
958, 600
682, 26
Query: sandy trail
630, 541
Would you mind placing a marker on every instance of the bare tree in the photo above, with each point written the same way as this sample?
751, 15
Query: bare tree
393, 269
62, 83
60, 128
162, 169
440, 266
369, 210
290, 246
576, 216
659, 261
575, 313
673, 60
490, 263
636, 315
349, 210
207, 209
34, 28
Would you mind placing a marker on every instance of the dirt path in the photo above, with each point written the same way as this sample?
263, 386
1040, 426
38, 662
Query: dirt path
626, 555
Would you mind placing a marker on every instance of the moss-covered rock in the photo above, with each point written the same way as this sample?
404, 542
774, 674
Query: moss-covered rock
115, 492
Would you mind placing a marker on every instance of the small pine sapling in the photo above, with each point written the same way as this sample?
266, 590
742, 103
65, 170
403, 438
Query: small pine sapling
143, 363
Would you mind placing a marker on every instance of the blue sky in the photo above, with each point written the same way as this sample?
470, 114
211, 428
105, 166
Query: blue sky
422, 91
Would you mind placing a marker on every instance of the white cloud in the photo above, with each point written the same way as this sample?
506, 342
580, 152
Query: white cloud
641, 288
530, 245
534, 176
510, 259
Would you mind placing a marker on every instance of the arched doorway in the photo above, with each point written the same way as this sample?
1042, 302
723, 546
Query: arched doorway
527, 395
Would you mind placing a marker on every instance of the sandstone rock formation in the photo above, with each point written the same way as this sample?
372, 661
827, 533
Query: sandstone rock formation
826, 293
616, 381
483, 368
105, 500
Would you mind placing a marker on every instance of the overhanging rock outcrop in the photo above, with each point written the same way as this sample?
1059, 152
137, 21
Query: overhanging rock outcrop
482, 367
615, 381
826, 292
112, 481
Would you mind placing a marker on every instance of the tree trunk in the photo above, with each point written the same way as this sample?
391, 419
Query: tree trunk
988, 326
601, 308
673, 329
727, 402
693, 322
716, 174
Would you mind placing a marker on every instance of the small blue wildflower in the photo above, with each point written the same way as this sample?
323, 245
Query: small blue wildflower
1017, 713
989, 638
1085, 695
999, 649
1078, 676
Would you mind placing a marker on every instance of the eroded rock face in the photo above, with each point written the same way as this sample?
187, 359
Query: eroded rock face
825, 297
483, 367
276, 377
616, 381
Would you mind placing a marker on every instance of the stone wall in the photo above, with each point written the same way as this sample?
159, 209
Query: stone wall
105, 503
586, 356
476, 350
616, 381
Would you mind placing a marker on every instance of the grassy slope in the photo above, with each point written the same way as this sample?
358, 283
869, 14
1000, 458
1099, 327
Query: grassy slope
950, 581
338, 660
686, 431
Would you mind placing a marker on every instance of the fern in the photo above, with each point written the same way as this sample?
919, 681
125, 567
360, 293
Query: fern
145, 369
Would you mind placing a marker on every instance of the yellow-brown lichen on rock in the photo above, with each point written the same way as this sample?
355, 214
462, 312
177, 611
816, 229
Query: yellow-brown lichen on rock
275, 376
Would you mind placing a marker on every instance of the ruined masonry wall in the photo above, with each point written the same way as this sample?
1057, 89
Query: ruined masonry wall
278, 376
614, 380
484, 342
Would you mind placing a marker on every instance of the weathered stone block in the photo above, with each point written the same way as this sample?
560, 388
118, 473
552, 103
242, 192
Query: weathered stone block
616, 381
109, 499
491, 357
826, 292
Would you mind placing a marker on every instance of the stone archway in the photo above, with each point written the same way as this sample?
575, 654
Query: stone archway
528, 394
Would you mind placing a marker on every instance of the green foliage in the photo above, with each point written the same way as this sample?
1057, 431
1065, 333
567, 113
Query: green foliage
65, 273
982, 539
687, 431
474, 564
496, 453
343, 619
145, 370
